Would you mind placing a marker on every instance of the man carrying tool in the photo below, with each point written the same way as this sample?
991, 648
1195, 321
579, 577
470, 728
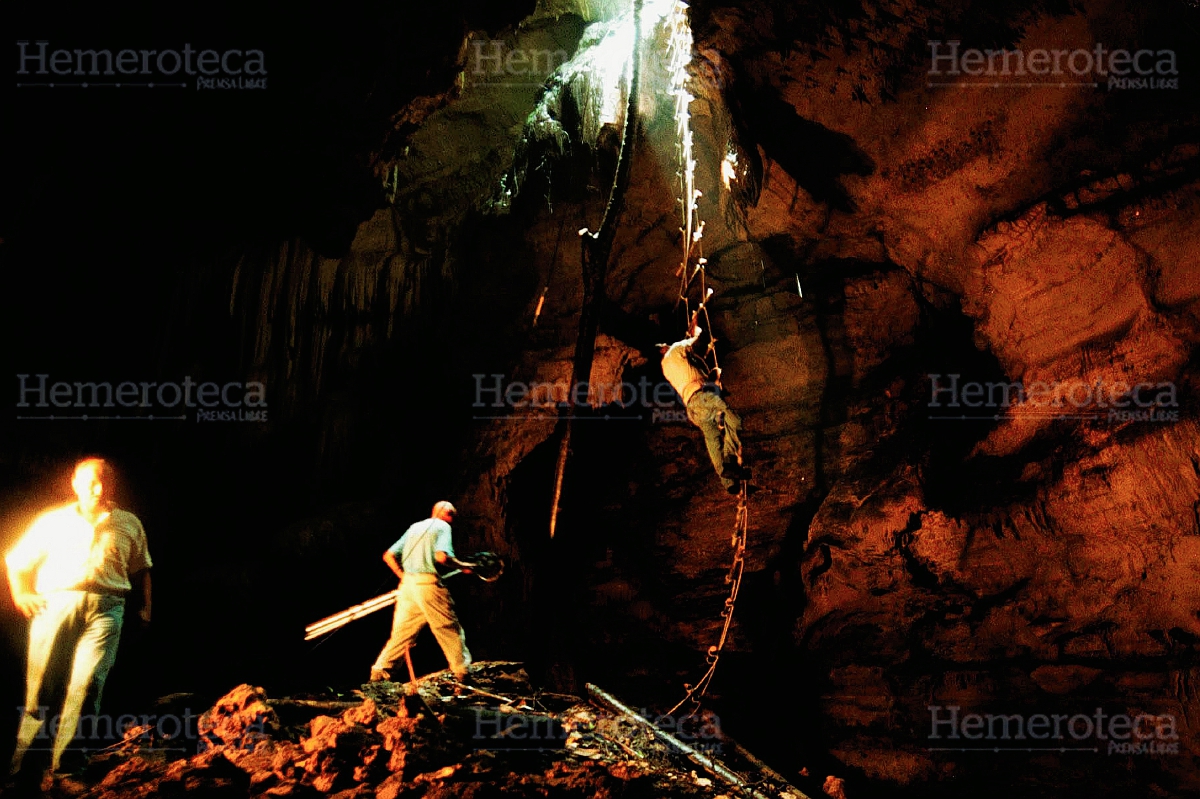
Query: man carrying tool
422, 598
706, 410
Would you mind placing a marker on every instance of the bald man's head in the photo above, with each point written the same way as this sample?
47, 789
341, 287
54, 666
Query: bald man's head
444, 511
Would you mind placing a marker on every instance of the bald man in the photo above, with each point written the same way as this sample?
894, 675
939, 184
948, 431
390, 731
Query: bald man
423, 599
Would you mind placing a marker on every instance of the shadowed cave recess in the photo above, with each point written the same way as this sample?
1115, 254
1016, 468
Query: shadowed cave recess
904, 248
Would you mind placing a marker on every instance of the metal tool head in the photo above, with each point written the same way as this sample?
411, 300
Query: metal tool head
488, 566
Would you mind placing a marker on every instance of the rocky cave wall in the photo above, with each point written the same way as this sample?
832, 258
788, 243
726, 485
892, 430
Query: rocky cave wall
1018, 234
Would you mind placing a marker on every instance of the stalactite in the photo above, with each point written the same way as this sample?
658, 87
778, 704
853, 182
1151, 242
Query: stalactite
307, 314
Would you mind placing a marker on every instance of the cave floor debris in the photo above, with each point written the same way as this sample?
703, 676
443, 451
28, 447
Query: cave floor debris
498, 736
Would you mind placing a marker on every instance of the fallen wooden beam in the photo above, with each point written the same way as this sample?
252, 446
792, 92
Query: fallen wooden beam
749, 757
314, 704
714, 767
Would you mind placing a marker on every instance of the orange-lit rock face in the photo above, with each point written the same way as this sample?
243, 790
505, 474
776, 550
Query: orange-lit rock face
1037, 560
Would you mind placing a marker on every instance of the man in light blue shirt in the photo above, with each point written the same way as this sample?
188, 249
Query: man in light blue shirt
422, 598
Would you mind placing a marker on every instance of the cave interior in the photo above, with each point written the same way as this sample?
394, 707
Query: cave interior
426, 214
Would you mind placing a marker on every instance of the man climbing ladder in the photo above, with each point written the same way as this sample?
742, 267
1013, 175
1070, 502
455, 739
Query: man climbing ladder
706, 410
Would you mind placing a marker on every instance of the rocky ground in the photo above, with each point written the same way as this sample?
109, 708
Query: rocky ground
497, 737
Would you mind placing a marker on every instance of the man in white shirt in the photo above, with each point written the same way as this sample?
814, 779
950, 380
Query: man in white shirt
69, 575
706, 410
423, 598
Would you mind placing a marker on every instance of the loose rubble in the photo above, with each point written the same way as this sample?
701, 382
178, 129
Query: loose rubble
497, 737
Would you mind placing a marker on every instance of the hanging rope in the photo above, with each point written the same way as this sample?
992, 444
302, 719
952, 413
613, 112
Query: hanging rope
537, 312
734, 579
596, 248
693, 281
691, 271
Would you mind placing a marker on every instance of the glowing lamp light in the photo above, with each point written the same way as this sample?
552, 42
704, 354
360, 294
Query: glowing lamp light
729, 169
75, 553
606, 67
